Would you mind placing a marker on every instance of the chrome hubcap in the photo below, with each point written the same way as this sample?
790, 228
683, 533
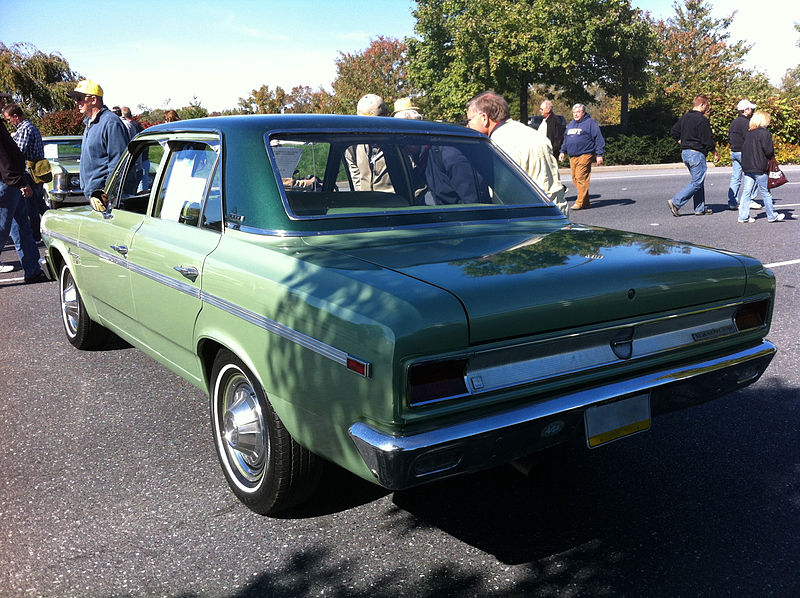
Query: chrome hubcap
244, 432
69, 304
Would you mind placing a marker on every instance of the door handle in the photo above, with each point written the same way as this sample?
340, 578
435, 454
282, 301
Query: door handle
120, 249
191, 272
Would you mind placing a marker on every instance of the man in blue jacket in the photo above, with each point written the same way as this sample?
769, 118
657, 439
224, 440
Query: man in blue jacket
582, 142
104, 138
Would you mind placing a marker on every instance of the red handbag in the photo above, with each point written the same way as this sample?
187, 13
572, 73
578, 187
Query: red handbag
775, 174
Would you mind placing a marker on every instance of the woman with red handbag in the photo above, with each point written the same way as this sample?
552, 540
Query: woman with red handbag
756, 153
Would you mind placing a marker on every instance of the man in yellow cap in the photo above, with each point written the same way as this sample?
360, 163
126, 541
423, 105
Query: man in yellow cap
104, 138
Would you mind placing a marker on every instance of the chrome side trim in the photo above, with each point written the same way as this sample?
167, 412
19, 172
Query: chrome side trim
290, 334
337, 355
399, 461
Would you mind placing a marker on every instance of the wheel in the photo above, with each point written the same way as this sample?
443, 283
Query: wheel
264, 466
82, 332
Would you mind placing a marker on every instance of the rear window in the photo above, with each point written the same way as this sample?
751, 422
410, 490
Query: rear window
344, 174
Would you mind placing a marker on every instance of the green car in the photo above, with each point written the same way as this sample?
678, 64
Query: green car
64, 153
394, 296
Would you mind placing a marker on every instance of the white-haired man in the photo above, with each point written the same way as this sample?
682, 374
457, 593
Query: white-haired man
583, 141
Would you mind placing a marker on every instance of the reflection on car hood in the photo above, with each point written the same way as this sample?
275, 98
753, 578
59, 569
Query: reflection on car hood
513, 283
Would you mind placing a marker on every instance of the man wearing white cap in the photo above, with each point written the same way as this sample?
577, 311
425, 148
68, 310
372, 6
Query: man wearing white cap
736, 133
104, 138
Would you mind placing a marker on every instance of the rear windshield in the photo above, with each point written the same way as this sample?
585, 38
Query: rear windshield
347, 174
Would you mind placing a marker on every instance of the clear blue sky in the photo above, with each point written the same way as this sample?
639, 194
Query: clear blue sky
164, 54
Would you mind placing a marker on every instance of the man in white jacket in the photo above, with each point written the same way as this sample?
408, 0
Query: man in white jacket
488, 113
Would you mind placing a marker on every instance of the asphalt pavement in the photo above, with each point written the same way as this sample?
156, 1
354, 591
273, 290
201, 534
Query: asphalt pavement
110, 485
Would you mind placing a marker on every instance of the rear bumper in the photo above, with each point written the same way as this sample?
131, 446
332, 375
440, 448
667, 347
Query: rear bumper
403, 461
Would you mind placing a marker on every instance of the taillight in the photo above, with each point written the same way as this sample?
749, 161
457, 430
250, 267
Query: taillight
751, 315
436, 380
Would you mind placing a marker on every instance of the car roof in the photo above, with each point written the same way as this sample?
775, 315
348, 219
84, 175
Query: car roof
283, 122
62, 138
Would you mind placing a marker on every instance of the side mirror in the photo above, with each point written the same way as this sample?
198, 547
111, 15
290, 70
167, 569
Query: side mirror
99, 201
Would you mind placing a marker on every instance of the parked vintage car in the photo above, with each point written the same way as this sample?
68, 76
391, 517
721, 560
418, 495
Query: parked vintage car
64, 153
394, 296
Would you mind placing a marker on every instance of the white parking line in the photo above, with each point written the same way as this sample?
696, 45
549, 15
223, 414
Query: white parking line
776, 264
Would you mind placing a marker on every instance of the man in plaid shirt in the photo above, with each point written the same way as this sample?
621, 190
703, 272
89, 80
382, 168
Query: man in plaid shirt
29, 140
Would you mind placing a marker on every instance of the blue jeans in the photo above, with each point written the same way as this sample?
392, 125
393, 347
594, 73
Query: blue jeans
736, 181
753, 181
14, 221
696, 163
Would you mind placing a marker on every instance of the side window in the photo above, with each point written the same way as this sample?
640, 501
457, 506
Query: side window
131, 184
188, 178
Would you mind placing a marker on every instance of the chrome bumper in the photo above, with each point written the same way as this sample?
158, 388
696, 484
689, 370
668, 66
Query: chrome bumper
404, 461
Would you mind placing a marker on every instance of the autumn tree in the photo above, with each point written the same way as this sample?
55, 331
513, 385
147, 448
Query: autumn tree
38, 81
381, 68
790, 83
264, 101
694, 54
463, 47
301, 99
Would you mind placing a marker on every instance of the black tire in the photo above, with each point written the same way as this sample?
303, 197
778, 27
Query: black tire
82, 332
264, 466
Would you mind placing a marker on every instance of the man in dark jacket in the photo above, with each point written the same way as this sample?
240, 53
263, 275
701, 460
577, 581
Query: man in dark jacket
554, 124
736, 133
13, 212
693, 132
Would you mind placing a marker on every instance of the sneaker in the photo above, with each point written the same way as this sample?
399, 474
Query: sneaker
754, 205
6, 268
749, 220
704, 212
577, 207
778, 218
733, 206
673, 208
36, 278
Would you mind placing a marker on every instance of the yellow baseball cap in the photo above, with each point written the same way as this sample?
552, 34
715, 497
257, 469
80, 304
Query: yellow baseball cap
86, 88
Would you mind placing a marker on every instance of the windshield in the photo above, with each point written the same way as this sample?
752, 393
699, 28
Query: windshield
69, 149
347, 174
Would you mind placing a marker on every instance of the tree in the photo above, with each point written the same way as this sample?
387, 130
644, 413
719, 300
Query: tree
382, 68
466, 46
62, 122
38, 81
790, 83
264, 101
694, 55
193, 110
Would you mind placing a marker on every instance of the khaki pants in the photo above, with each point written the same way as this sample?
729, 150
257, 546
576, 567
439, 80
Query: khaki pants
581, 169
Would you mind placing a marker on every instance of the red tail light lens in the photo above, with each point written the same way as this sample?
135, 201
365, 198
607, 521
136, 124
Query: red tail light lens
751, 315
436, 380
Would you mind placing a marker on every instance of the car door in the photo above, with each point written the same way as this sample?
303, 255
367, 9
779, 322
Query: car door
169, 250
104, 272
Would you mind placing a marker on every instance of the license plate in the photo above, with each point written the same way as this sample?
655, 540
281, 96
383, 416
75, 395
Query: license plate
616, 420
